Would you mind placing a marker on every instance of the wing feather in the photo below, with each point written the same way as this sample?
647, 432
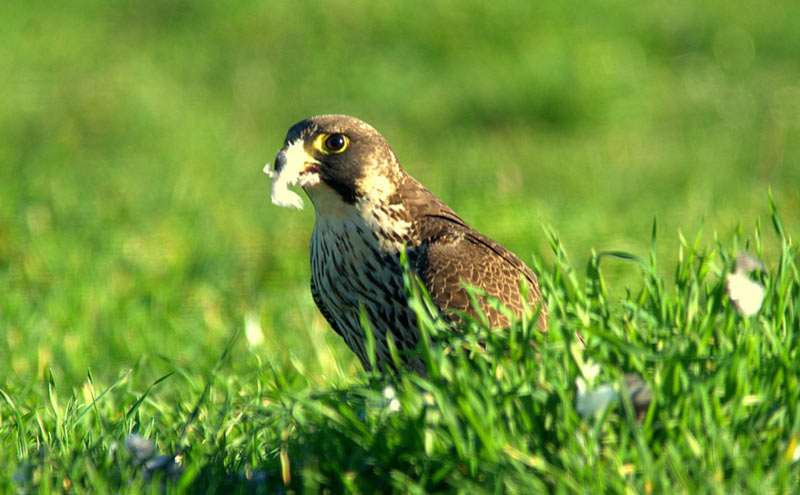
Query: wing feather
450, 253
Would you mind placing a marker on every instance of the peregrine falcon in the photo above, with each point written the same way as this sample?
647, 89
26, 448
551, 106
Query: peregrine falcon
369, 210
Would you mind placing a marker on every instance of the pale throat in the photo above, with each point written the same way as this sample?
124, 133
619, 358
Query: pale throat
370, 217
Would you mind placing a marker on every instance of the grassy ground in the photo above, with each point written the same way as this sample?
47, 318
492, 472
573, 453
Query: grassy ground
136, 240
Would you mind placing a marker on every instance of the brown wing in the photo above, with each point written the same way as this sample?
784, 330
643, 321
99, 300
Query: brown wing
452, 253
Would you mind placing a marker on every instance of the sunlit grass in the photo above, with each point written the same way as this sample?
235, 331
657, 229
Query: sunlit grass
132, 207
494, 413
137, 238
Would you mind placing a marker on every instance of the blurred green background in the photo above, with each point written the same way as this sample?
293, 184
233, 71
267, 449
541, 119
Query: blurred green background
135, 222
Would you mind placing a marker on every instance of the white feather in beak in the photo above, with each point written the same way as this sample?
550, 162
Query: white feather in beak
299, 169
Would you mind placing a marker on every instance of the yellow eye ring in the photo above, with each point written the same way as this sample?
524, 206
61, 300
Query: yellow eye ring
330, 144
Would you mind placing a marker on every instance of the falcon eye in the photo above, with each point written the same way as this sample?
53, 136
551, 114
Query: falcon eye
336, 143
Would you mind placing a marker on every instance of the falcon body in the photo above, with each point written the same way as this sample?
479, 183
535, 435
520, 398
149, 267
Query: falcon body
368, 210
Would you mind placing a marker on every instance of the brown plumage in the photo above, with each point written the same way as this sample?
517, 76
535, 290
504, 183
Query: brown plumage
368, 209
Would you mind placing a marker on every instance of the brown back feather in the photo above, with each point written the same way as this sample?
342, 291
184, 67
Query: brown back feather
448, 252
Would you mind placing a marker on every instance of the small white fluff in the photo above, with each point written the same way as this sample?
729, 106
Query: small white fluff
746, 295
292, 174
280, 194
252, 330
590, 403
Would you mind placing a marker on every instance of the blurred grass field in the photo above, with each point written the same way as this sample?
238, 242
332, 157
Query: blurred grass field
135, 223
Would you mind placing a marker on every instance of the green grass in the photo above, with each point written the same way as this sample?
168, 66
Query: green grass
494, 414
137, 238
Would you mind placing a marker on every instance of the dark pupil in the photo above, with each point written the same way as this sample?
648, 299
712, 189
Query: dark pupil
335, 142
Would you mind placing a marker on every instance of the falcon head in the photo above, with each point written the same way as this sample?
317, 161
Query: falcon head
334, 158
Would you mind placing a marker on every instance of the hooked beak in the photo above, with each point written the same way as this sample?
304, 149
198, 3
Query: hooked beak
294, 158
295, 166
280, 160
